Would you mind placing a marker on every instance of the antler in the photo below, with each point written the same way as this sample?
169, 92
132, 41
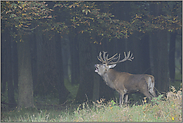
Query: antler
106, 60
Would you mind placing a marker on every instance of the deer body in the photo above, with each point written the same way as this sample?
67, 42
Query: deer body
123, 82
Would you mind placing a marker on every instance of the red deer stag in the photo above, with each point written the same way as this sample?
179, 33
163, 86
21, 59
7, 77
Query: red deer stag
123, 82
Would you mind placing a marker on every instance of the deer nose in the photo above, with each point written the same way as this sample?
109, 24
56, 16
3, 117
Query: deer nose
95, 65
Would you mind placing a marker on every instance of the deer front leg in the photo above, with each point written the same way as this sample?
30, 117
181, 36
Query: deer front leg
121, 96
120, 99
126, 98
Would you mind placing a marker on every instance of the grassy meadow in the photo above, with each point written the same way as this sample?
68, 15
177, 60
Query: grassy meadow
163, 109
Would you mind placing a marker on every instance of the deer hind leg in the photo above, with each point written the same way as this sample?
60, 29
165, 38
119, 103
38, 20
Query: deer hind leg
145, 91
152, 92
120, 96
148, 95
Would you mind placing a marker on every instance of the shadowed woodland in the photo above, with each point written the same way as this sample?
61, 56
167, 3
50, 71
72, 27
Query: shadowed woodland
49, 49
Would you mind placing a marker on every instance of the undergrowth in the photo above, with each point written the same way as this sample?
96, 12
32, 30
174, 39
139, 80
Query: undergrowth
162, 109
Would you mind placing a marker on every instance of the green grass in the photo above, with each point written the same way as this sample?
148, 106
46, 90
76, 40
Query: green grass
163, 110
73, 89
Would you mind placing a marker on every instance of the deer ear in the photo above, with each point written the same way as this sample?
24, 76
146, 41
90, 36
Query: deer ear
112, 66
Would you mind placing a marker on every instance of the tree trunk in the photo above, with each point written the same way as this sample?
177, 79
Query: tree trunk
96, 77
163, 64
66, 56
159, 59
11, 98
139, 46
33, 52
4, 69
63, 92
40, 62
74, 48
159, 52
25, 83
172, 56
15, 65
8, 65
181, 53
86, 70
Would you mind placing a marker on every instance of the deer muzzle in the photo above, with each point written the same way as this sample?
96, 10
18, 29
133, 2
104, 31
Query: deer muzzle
96, 68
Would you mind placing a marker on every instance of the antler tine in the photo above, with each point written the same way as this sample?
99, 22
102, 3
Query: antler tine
119, 57
104, 56
107, 56
131, 57
106, 60
125, 54
103, 60
127, 57
113, 57
100, 58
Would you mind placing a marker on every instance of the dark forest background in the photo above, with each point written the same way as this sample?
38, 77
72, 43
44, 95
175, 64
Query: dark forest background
48, 49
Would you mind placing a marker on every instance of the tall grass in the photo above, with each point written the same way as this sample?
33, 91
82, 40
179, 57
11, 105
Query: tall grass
163, 109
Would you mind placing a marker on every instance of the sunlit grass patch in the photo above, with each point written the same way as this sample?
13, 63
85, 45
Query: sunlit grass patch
162, 109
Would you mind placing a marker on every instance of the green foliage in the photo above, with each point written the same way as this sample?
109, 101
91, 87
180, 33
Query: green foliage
113, 103
156, 100
89, 17
24, 17
178, 76
73, 89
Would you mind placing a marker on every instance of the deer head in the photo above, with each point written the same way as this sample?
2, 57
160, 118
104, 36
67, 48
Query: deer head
108, 63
